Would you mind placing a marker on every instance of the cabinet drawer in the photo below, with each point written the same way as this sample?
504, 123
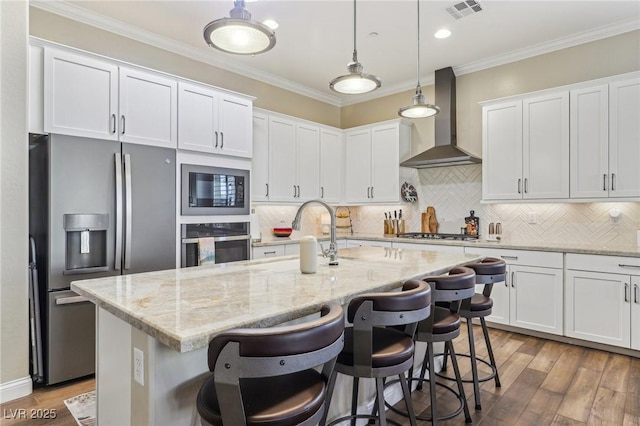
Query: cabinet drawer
611, 264
429, 247
521, 257
268, 251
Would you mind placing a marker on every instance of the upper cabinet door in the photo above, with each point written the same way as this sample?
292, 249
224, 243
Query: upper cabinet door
80, 95
589, 136
502, 151
624, 137
282, 159
235, 115
331, 166
358, 166
545, 141
197, 117
385, 164
148, 108
307, 162
260, 160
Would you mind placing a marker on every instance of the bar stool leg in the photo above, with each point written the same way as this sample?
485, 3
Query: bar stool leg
425, 364
454, 362
331, 386
487, 341
380, 401
407, 399
474, 365
432, 383
354, 400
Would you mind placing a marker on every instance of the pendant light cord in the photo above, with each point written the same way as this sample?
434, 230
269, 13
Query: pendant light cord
355, 51
418, 55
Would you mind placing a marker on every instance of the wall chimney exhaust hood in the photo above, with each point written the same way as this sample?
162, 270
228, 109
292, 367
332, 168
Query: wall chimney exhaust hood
445, 152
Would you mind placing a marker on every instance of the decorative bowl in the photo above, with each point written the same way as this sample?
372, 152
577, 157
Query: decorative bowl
282, 232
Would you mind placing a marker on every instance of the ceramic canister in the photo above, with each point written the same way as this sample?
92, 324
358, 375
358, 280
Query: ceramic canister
308, 254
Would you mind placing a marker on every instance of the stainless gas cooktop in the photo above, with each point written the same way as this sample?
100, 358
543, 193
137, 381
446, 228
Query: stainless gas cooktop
429, 236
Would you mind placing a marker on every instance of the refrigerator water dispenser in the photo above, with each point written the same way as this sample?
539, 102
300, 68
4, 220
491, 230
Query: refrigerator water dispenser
86, 243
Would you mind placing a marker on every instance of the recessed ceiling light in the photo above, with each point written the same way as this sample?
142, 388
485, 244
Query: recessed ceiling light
271, 23
443, 33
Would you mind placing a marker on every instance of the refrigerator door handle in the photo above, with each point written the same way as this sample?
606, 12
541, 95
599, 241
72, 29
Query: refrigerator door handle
70, 300
128, 211
118, 255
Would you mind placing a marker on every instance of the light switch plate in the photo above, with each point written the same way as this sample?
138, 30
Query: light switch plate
533, 218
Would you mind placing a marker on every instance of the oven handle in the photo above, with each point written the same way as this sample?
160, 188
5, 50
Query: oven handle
218, 239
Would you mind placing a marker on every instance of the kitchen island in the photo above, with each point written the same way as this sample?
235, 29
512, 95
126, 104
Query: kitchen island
169, 317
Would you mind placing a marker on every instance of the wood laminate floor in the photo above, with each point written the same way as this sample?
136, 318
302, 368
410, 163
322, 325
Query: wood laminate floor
543, 383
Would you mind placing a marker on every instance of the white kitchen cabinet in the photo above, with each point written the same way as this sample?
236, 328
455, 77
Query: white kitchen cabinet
148, 106
602, 299
331, 155
526, 148
89, 97
80, 95
213, 121
263, 252
368, 243
624, 134
307, 156
428, 247
372, 158
260, 159
589, 144
531, 297
36, 91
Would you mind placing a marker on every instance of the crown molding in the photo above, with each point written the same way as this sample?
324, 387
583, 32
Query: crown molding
217, 60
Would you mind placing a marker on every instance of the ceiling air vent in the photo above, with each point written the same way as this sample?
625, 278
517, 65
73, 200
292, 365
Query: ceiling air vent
465, 8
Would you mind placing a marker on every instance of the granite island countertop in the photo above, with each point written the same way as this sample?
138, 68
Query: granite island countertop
184, 308
604, 249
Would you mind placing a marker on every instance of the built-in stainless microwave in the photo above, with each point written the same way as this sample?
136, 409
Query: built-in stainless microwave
209, 190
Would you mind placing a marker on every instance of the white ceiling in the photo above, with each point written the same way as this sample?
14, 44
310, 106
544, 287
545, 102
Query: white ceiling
315, 38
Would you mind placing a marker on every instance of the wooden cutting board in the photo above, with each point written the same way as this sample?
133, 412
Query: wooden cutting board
429, 221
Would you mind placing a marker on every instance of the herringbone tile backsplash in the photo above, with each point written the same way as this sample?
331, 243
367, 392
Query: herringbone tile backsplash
454, 191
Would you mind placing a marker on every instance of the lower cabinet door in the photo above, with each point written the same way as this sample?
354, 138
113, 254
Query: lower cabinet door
635, 313
500, 297
597, 307
536, 298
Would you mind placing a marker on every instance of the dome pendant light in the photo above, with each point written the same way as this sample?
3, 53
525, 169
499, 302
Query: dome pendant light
238, 34
356, 82
419, 109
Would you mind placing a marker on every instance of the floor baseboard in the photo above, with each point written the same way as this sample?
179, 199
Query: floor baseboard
15, 389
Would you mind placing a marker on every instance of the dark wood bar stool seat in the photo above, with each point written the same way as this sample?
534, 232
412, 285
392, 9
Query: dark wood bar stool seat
453, 290
268, 376
488, 272
373, 349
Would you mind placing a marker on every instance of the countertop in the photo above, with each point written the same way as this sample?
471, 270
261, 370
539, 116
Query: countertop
184, 308
606, 249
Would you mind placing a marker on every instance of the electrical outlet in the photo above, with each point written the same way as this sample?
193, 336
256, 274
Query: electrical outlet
138, 366
533, 218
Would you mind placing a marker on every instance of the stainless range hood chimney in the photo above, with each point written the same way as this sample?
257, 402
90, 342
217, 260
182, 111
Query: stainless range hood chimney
446, 151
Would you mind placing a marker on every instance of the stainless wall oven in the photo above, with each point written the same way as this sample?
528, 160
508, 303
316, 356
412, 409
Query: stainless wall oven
209, 190
232, 242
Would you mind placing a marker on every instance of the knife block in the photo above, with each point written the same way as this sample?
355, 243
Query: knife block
393, 227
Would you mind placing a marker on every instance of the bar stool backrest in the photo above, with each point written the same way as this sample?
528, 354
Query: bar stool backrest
489, 271
269, 352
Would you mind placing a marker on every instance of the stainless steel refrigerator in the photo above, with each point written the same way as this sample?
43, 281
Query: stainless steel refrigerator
97, 208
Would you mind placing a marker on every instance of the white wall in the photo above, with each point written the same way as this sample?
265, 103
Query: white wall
14, 332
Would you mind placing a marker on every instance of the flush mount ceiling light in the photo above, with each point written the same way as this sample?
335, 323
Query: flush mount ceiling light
356, 82
238, 34
419, 109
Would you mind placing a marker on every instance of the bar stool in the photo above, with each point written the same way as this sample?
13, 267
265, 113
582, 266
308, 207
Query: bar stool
453, 290
372, 350
488, 271
268, 377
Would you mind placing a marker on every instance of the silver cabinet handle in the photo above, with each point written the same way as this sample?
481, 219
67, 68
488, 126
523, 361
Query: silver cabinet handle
368, 192
267, 194
128, 210
636, 290
270, 252
626, 292
372, 196
513, 280
509, 257
519, 186
298, 191
71, 299
216, 133
622, 265
604, 182
221, 140
322, 192
526, 185
122, 121
294, 191
613, 181
113, 126
118, 254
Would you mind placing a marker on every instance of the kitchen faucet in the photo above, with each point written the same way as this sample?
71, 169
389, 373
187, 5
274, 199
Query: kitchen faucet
332, 251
